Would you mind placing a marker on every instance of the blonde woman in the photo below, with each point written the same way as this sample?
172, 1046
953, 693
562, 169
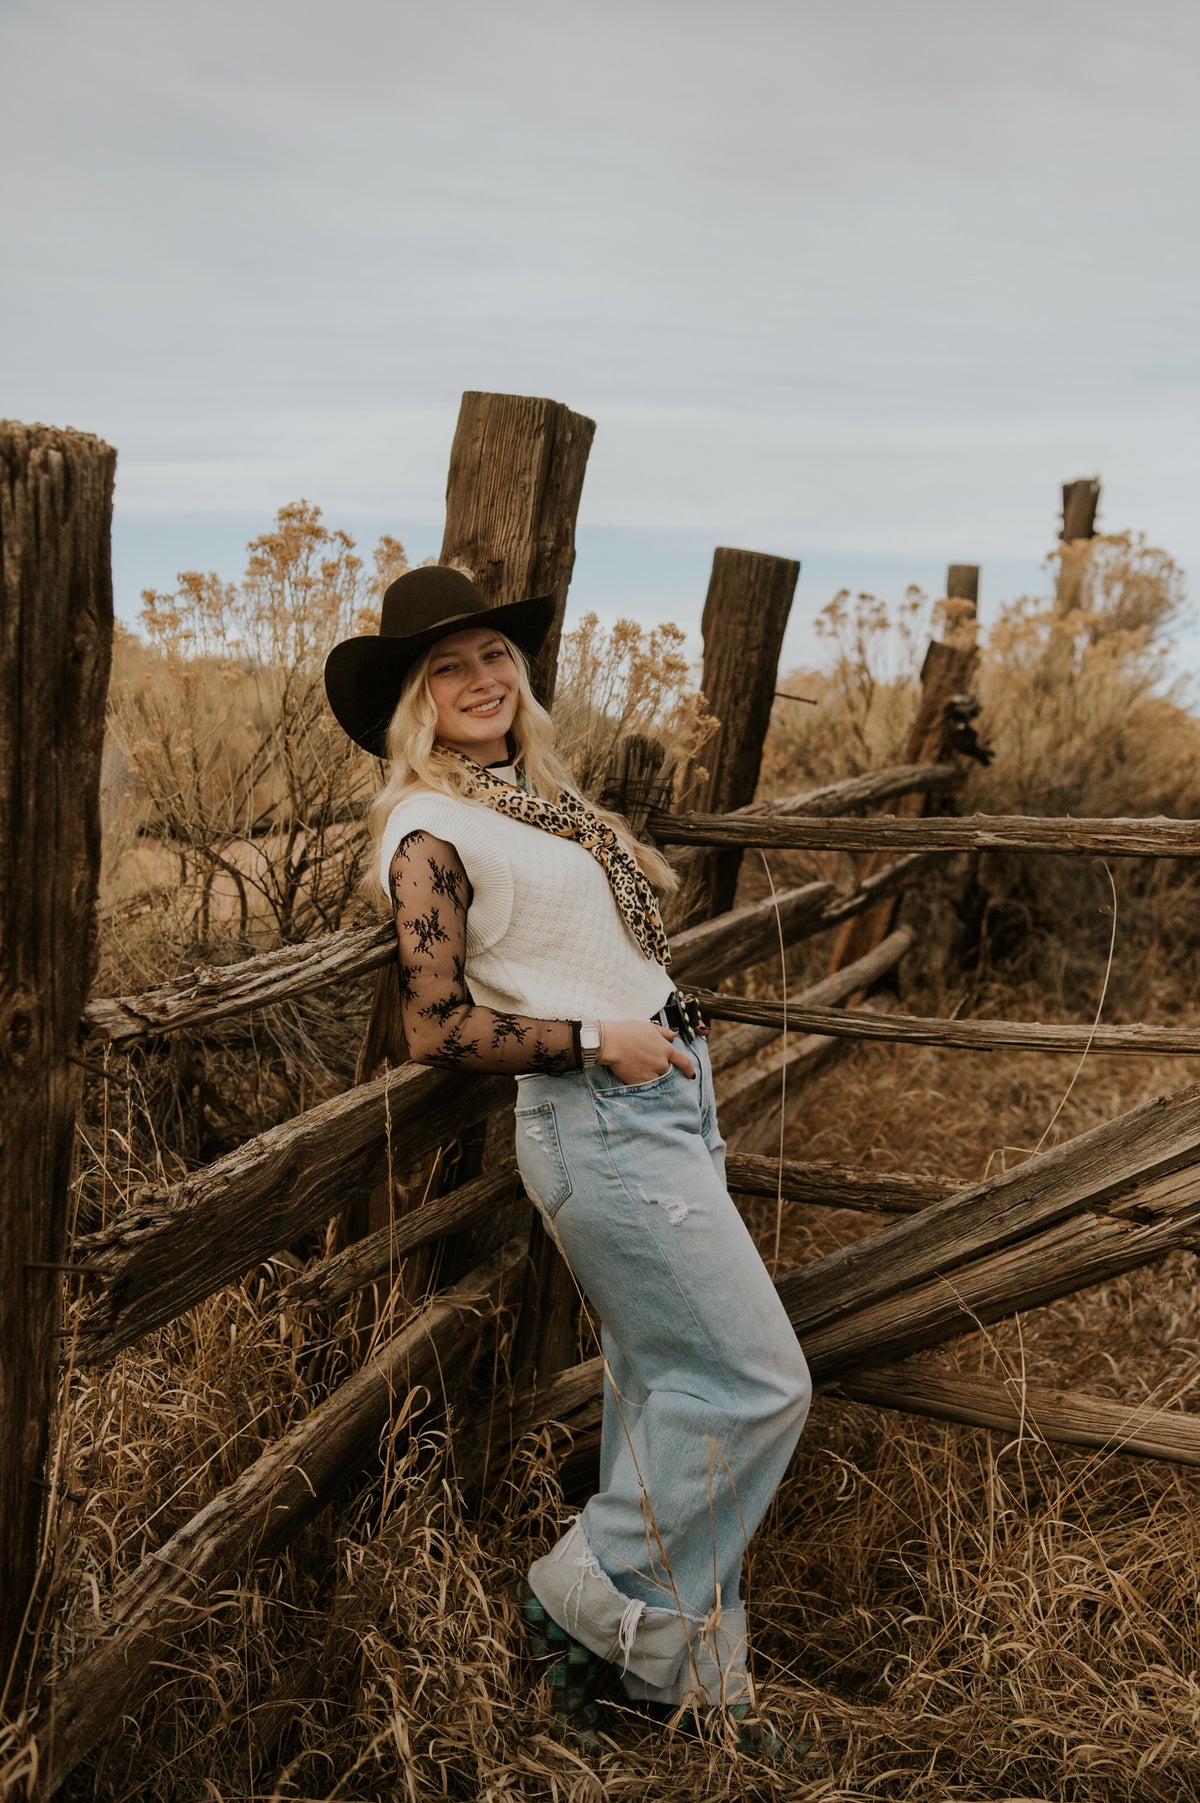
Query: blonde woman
530, 942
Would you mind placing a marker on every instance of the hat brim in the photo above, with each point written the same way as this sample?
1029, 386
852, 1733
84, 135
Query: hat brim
364, 676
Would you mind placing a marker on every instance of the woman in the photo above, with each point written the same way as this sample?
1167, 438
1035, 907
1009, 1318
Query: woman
530, 942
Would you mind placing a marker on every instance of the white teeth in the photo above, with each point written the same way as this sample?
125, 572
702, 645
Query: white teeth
485, 707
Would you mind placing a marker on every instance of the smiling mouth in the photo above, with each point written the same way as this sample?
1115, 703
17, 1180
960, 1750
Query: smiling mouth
486, 707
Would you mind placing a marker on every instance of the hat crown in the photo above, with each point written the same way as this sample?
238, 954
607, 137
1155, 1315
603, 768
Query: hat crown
421, 599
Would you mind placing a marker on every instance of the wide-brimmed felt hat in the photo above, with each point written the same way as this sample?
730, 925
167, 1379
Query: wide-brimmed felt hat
364, 676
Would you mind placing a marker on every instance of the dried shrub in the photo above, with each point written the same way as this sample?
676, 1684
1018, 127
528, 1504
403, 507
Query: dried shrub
630, 679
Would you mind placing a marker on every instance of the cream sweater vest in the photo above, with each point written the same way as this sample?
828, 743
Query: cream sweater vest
544, 935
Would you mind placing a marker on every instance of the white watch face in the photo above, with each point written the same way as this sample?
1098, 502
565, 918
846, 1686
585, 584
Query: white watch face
589, 1038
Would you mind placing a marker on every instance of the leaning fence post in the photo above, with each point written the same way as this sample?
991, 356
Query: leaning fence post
934, 737
745, 616
55, 648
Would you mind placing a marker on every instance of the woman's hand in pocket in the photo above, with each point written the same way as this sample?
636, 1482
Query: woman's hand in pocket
637, 1051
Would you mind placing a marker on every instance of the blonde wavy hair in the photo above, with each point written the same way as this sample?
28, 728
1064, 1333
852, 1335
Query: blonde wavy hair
417, 761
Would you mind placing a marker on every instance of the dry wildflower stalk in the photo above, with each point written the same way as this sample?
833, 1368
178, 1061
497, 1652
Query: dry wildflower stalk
628, 680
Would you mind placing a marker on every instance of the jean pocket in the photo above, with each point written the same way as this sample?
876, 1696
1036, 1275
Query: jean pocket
653, 1086
540, 1159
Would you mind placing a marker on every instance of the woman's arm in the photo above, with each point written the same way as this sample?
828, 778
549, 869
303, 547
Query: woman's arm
430, 896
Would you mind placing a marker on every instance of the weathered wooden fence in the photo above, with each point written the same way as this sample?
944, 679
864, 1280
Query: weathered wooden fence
948, 1259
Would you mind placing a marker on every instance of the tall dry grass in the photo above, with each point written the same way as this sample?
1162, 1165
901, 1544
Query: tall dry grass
953, 1615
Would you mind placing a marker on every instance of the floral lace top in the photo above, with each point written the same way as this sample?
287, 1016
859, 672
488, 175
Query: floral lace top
430, 897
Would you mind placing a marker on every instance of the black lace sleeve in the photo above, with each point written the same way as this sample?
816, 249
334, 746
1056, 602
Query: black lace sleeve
430, 898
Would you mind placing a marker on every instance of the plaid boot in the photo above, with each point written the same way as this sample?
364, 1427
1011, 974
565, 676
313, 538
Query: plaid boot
571, 1671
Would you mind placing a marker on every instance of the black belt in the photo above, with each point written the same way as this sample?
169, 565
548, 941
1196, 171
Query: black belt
682, 1014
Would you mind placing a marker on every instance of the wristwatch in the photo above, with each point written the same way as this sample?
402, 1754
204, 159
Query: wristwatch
590, 1041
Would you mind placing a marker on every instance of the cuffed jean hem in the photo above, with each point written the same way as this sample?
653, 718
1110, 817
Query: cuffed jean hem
664, 1655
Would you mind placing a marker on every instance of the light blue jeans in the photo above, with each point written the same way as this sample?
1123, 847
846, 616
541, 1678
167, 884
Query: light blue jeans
706, 1388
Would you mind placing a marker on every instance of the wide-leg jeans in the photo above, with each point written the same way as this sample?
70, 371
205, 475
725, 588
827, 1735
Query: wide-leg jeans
706, 1388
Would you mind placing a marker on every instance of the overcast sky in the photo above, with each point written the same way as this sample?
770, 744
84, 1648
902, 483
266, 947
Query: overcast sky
856, 281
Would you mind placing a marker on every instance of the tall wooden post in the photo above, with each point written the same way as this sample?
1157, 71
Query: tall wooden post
745, 617
962, 584
512, 496
55, 649
1081, 499
516, 474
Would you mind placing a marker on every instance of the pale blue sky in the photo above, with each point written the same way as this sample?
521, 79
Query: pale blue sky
852, 281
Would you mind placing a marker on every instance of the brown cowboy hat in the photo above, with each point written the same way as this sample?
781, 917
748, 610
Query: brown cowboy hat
364, 676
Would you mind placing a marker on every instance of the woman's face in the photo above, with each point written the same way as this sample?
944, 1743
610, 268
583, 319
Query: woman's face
473, 681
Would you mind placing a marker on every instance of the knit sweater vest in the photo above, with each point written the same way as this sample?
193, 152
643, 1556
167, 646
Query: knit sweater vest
544, 935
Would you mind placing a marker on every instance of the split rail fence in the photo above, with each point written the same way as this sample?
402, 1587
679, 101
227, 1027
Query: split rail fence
946, 1260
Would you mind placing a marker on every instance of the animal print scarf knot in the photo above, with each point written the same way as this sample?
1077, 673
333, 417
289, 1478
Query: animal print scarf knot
571, 818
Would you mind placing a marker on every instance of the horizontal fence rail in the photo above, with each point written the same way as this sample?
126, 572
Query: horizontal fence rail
1031, 1411
1151, 838
967, 1035
219, 991
870, 790
181, 1243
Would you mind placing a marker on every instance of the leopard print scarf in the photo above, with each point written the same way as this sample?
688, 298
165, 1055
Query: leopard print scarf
571, 818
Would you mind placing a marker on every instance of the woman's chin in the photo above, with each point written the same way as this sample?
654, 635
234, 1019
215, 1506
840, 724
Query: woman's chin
490, 750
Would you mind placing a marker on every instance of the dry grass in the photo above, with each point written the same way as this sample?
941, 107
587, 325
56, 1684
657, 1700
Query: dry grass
952, 1615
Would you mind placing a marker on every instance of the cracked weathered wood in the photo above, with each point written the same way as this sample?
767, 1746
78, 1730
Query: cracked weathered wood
1028, 1411
866, 791
830, 1185
219, 992
745, 616
1074, 1254
1004, 1405
175, 1246
1155, 837
378, 1255
260, 1513
512, 496
55, 647
967, 1035
1142, 1165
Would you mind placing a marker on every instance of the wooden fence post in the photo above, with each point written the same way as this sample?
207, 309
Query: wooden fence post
512, 495
1081, 499
516, 474
55, 649
945, 673
745, 617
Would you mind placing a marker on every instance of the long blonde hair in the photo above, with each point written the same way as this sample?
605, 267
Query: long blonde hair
417, 761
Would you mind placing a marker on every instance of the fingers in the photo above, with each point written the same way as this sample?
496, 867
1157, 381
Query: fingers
681, 1061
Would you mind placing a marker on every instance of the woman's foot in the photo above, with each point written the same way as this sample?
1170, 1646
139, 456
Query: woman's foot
571, 1671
